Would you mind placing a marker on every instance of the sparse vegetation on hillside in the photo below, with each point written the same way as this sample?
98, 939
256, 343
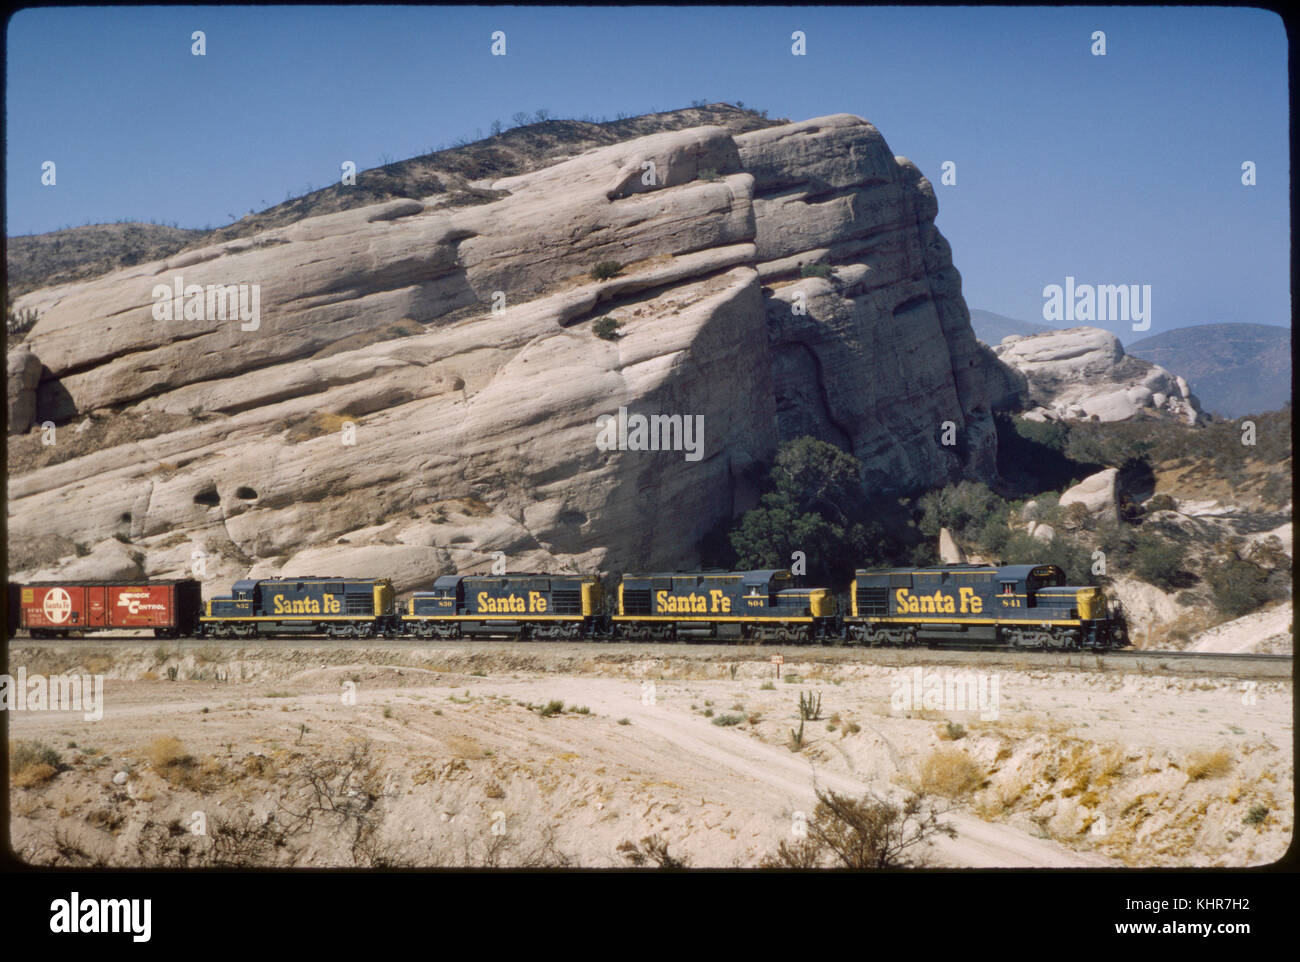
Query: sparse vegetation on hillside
606, 328
18, 323
1038, 461
824, 271
534, 141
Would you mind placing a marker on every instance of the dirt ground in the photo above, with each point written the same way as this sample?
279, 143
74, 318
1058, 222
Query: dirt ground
448, 755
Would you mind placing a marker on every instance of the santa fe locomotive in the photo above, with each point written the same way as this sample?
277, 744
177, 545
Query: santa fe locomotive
1019, 606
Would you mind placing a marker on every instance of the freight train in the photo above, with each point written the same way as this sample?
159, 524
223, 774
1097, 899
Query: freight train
1019, 606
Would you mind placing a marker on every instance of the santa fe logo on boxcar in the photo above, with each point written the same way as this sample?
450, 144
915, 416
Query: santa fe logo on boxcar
58, 606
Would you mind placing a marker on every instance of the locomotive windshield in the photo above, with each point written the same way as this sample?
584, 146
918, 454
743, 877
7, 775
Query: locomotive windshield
1048, 576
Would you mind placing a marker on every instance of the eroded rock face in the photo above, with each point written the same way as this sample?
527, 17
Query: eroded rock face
1083, 372
377, 416
879, 358
23, 373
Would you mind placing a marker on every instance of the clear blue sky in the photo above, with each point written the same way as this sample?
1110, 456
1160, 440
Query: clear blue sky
1117, 169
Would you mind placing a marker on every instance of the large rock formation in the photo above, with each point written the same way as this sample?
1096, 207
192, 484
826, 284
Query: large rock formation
1083, 372
419, 387
23, 373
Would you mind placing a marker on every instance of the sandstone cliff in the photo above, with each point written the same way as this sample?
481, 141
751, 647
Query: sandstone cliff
420, 386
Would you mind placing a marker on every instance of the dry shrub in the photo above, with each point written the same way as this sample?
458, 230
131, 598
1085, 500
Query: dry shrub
949, 772
32, 763
869, 832
25, 754
1086, 769
651, 849
167, 751
34, 775
258, 766
1208, 764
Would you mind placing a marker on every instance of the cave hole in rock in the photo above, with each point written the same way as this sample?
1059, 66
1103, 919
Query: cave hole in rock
208, 497
245, 493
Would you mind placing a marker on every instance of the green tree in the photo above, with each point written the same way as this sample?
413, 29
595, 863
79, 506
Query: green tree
816, 503
818, 477
1238, 587
1157, 560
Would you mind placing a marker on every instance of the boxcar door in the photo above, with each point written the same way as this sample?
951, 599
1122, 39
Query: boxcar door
96, 606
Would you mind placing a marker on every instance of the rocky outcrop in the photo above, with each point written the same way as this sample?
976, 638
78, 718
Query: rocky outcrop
1083, 373
1098, 493
23, 373
414, 389
879, 357
950, 552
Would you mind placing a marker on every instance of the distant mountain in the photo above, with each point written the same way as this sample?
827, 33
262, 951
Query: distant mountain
992, 328
1233, 369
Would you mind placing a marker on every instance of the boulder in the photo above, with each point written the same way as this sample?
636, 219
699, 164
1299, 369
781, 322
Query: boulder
1098, 493
23, 371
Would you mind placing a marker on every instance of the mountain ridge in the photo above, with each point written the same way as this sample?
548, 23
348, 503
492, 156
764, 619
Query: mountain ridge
1237, 368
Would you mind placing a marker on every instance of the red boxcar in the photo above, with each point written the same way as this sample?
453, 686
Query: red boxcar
59, 608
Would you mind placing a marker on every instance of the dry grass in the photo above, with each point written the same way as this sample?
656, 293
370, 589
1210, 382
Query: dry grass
33, 775
167, 753
1177, 633
32, 763
464, 746
1027, 722
98, 665
1086, 769
949, 772
1213, 764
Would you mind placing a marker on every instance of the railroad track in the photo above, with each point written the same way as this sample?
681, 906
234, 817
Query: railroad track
1208, 655
603, 644
567, 655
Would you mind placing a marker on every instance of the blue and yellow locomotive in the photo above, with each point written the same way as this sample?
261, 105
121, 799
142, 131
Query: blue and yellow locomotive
306, 605
1021, 606
724, 604
518, 605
